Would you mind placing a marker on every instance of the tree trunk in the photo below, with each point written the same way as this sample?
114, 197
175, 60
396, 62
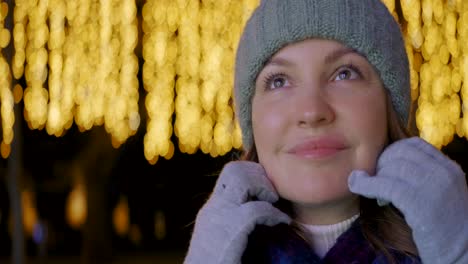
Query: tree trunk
14, 160
97, 161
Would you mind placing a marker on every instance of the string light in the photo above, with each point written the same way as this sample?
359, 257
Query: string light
6, 95
187, 101
52, 37
436, 37
202, 67
30, 217
76, 208
35, 71
79, 64
100, 37
56, 120
120, 217
121, 115
159, 52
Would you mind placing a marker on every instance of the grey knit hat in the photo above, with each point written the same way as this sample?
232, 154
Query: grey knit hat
363, 25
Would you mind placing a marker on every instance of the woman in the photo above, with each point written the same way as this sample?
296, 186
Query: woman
322, 96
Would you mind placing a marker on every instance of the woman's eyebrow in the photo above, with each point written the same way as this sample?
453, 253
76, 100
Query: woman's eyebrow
278, 61
338, 53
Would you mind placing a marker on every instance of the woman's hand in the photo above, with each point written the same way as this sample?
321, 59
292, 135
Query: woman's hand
431, 192
242, 198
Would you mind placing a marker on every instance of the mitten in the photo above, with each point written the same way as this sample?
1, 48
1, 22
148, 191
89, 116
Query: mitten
242, 199
431, 192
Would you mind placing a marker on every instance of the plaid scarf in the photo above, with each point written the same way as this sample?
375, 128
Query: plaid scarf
280, 244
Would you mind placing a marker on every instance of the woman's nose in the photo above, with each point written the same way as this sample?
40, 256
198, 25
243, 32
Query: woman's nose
312, 108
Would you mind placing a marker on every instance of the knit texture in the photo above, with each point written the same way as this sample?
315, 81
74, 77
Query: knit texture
323, 237
365, 26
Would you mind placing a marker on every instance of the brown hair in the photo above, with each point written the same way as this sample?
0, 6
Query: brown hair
383, 226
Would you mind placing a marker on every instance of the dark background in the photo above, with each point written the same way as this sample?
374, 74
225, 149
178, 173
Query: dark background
178, 187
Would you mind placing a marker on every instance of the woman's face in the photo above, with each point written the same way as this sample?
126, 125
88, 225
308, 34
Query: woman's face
319, 112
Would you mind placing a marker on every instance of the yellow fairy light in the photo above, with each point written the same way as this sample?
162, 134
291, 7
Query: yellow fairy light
170, 152
17, 93
119, 25
4, 37
456, 80
436, 64
188, 68
188, 113
459, 127
159, 52
427, 10
450, 27
52, 37
187, 102
7, 102
439, 10
88, 95
71, 32
206, 131
432, 40
5, 150
464, 91
211, 77
36, 96
412, 14
153, 160
56, 115
3, 10
30, 216
120, 217
19, 40
216, 68
115, 142
6, 95
76, 208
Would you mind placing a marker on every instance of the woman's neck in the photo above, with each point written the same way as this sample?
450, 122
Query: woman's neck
323, 237
326, 214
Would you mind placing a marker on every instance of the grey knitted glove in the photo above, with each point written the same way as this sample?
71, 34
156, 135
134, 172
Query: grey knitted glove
431, 192
242, 198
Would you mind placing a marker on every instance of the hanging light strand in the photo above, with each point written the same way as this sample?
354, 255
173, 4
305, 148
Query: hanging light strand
6, 95
57, 110
187, 102
159, 53
36, 95
436, 60
85, 51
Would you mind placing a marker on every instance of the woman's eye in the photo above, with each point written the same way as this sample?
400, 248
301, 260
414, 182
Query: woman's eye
276, 81
347, 73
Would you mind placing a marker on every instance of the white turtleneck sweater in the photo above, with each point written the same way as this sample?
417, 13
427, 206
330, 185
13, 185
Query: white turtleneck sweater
323, 237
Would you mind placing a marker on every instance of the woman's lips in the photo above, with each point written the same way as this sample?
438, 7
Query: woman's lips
318, 148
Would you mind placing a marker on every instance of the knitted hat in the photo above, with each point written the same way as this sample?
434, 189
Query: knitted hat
363, 25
